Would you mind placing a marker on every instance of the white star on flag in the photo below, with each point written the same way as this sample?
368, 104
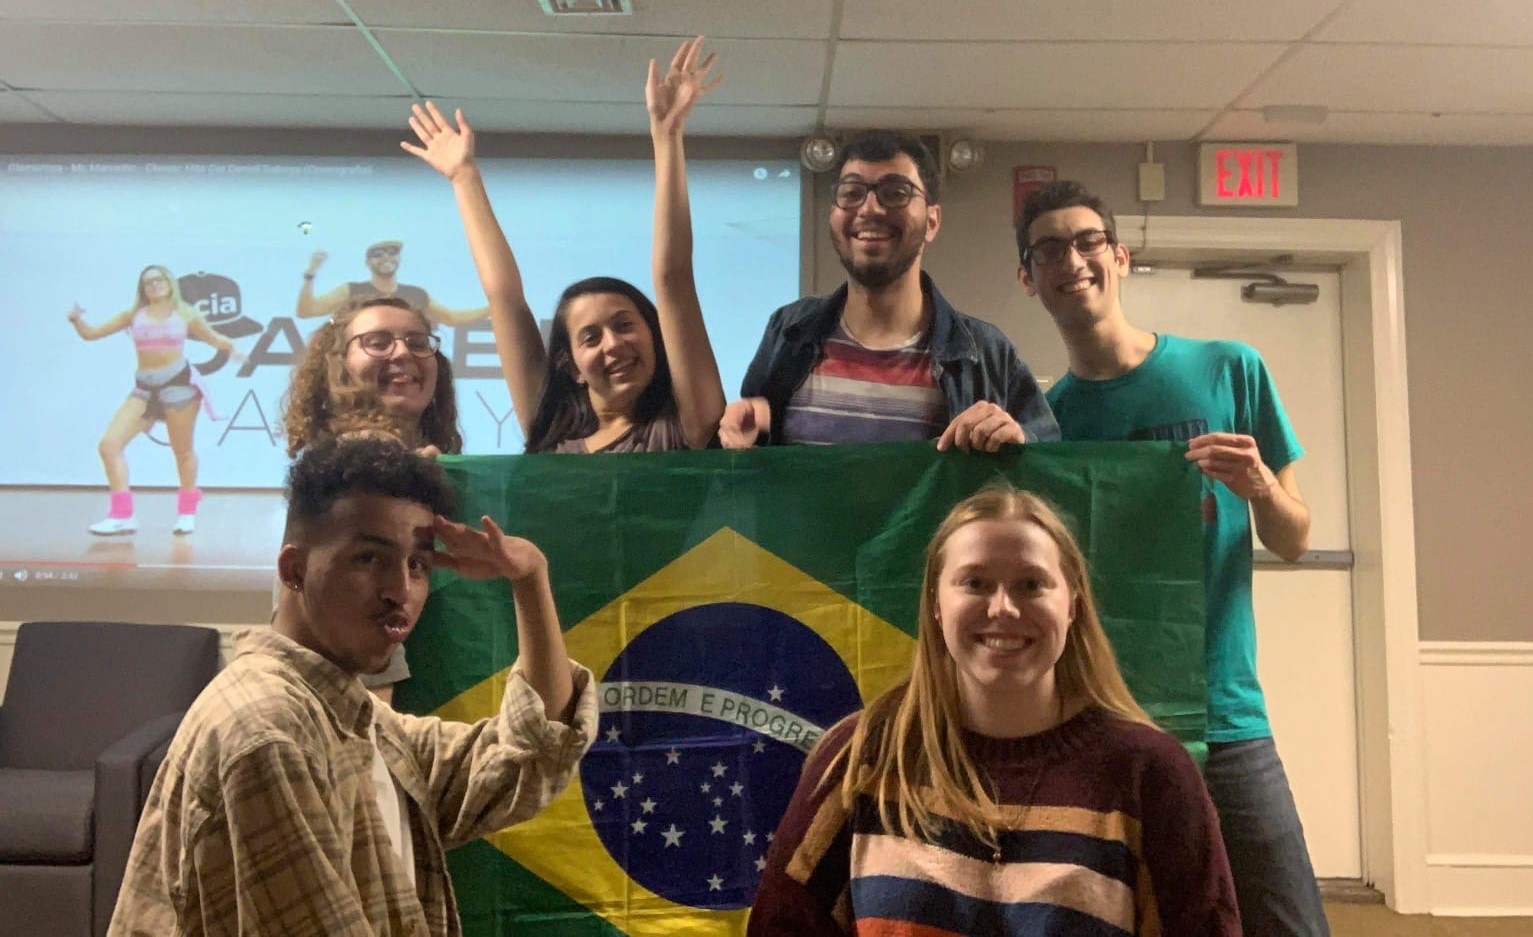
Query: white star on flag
750, 838
673, 757
613, 734
638, 778
673, 836
619, 790
648, 805
718, 801
705, 787
775, 693
719, 769
599, 805
760, 863
718, 823
715, 883
736, 788
759, 747
638, 826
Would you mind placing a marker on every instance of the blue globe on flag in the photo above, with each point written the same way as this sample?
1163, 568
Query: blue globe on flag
706, 719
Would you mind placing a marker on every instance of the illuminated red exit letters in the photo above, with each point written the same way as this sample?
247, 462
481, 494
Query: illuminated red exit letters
1254, 174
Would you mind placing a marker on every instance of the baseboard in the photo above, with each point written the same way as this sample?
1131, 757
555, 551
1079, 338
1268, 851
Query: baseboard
1481, 885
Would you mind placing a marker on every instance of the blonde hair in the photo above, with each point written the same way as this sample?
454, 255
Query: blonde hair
140, 301
909, 740
323, 401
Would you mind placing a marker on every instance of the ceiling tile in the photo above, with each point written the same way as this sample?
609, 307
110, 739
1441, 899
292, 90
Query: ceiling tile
508, 116
596, 68
775, 19
205, 58
1401, 78
1117, 126
1349, 127
228, 110
1009, 75
1090, 20
1472, 22
174, 11
16, 109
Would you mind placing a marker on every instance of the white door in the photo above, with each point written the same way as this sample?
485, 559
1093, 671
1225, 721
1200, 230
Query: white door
1303, 615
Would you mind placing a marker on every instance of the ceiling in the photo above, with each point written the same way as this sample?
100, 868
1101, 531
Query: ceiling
1387, 71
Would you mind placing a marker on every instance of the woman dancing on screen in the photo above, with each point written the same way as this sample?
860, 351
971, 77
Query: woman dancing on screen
166, 388
619, 374
1010, 785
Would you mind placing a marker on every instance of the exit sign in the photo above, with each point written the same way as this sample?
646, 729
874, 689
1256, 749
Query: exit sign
1248, 174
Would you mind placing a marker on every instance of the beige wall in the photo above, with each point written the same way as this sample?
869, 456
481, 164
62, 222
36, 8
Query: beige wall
1464, 213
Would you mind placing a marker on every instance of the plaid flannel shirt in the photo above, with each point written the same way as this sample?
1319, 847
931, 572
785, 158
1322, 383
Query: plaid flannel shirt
264, 820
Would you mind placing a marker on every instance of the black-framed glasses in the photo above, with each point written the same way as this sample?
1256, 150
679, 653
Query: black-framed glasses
1087, 243
892, 192
373, 252
379, 343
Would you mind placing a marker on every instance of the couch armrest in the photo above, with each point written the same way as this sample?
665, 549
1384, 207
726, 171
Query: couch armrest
119, 798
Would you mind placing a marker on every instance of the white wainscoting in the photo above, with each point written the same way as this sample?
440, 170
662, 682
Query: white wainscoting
8, 645
1477, 729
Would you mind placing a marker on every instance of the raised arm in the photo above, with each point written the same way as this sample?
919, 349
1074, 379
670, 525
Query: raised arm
92, 332
311, 306
523, 359
694, 371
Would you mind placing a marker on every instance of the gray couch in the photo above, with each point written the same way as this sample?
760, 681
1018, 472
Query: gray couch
88, 711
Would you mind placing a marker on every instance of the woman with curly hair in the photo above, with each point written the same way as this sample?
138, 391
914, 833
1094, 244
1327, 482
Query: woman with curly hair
166, 389
1010, 785
375, 367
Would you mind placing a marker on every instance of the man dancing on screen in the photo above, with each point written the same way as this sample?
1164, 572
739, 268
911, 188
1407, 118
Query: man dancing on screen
383, 263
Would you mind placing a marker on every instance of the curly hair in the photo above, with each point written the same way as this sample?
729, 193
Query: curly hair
323, 402
330, 469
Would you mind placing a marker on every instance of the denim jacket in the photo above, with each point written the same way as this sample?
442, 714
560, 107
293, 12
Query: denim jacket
971, 360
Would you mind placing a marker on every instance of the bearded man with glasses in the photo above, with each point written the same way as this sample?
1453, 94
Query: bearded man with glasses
383, 280
885, 357
1126, 383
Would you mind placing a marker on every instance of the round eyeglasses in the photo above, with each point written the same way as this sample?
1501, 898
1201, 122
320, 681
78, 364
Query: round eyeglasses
892, 192
379, 343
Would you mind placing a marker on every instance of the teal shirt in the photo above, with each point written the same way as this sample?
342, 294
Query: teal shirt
1183, 389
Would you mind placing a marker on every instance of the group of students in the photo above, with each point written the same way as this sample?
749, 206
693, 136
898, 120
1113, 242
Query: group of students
1010, 785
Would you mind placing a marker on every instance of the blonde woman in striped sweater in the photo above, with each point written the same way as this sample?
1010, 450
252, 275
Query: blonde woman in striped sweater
1011, 785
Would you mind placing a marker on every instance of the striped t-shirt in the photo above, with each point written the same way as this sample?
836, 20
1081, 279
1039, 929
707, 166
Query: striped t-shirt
860, 394
1104, 830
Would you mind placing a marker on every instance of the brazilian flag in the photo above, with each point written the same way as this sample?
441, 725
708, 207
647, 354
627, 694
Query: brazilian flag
735, 605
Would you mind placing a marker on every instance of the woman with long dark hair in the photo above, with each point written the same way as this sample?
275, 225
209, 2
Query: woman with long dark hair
620, 373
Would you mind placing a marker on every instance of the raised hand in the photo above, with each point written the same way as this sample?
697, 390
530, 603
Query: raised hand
671, 97
75, 313
487, 552
316, 260
447, 149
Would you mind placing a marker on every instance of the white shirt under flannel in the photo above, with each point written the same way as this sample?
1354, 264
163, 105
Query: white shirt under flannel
264, 819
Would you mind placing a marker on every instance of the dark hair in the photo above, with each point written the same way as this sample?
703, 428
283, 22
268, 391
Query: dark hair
321, 400
331, 469
877, 146
1053, 196
564, 406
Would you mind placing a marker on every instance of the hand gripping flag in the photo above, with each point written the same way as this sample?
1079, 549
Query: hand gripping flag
735, 605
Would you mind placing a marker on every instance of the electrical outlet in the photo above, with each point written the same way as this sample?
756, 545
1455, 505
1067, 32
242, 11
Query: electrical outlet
1152, 182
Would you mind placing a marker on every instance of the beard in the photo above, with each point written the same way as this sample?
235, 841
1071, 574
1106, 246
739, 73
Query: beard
875, 275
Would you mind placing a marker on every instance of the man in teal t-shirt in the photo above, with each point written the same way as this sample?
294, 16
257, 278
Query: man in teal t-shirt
1129, 384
